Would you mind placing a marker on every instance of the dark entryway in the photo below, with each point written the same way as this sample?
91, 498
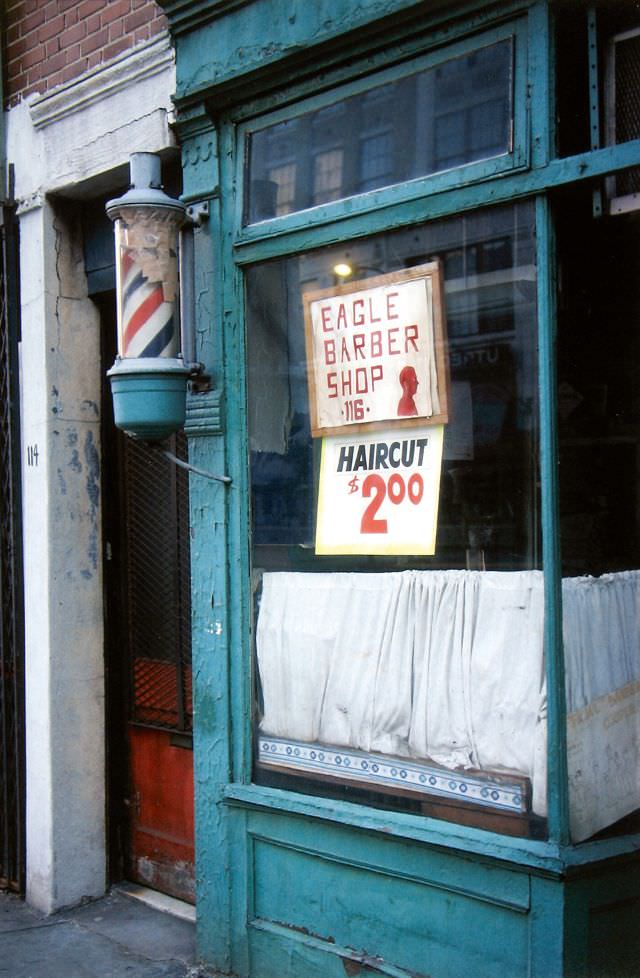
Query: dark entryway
147, 628
12, 850
148, 649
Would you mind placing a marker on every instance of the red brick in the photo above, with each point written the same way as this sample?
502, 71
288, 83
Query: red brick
51, 28
16, 10
95, 41
95, 58
142, 34
55, 79
22, 9
52, 47
50, 9
74, 70
31, 21
137, 19
13, 33
33, 57
36, 79
68, 6
31, 87
73, 35
116, 48
160, 23
56, 63
116, 29
90, 8
73, 53
93, 23
114, 10
71, 17
19, 47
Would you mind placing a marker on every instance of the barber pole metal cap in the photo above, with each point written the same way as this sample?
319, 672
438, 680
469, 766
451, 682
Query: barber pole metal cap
149, 395
146, 187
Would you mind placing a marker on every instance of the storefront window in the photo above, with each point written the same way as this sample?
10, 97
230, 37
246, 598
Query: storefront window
405, 678
459, 111
599, 437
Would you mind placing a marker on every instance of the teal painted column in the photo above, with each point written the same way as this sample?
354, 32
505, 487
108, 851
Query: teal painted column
209, 502
557, 781
240, 595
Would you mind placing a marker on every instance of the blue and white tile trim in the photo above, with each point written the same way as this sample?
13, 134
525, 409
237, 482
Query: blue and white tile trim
375, 769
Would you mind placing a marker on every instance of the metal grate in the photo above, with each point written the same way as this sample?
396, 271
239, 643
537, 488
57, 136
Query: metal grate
158, 586
11, 635
627, 104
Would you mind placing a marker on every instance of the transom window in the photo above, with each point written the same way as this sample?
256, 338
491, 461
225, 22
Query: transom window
450, 114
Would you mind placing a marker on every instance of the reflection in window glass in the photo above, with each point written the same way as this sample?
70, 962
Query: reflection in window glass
327, 176
458, 112
599, 439
415, 682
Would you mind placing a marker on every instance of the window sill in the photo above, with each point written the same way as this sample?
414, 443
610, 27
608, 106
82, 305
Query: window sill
544, 856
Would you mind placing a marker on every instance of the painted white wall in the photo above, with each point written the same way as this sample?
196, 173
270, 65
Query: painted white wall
74, 142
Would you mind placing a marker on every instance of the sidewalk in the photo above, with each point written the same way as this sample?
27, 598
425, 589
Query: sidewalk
115, 937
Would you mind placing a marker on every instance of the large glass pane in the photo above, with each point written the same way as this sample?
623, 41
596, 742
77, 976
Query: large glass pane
408, 680
599, 426
458, 112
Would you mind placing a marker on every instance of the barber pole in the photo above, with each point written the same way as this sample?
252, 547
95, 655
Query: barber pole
149, 377
148, 320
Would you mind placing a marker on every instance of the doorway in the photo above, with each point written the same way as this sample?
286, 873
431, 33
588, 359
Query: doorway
148, 654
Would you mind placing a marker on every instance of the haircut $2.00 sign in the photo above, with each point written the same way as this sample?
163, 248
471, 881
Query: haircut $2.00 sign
379, 493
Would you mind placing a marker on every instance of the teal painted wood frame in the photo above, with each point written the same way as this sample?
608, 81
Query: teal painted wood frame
241, 48
517, 158
226, 802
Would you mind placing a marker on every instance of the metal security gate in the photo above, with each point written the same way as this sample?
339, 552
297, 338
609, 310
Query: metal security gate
158, 586
12, 855
158, 838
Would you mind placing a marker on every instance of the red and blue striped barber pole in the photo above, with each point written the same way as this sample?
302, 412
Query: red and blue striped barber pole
148, 324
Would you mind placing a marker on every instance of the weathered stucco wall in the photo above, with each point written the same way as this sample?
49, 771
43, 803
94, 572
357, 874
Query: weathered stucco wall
67, 146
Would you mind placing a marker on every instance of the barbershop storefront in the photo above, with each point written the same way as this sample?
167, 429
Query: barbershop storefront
416, 649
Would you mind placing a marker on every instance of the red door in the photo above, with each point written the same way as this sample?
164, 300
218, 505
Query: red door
160, 851
159, 835
148, 640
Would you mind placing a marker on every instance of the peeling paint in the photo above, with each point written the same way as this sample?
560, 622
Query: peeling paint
92, 460
92, 406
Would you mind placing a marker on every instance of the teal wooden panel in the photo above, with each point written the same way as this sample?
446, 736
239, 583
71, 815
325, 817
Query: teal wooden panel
478, 878
414, 925
261, 33
429, 831
602, 938
614, 940
280, 953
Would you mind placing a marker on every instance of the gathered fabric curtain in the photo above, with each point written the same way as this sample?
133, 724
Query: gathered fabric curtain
446, 666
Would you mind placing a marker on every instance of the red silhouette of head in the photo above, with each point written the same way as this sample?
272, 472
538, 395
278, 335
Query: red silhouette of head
409, 381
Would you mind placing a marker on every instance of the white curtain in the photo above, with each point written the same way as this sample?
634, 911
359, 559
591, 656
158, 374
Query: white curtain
445, 665
601, 631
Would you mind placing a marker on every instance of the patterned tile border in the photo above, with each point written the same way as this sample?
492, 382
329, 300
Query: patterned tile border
395, 772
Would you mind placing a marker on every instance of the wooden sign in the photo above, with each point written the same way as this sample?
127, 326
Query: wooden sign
376, 352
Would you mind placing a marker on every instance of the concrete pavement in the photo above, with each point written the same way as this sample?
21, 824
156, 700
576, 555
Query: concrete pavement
115, 937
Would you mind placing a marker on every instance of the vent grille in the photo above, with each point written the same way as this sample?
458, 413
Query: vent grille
11, 614
624, 107
158, 586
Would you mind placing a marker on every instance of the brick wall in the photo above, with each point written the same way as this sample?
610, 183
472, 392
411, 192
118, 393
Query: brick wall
50, 42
